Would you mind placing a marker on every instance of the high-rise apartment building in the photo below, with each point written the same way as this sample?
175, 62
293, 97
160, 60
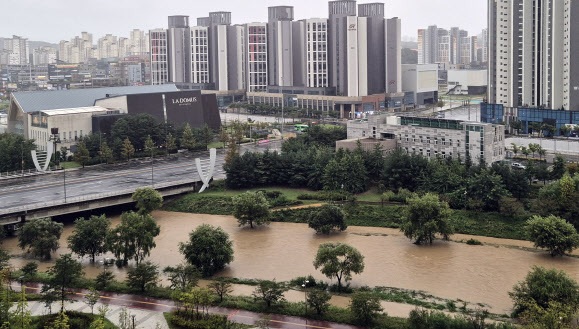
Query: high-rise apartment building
43, 56
310, 55
532, 53
343, 50
393, 55
256, 40
139, 43
280, 45
454, 46
179, 45
199, 55
17, 50
159, 56
219, 23
237, 57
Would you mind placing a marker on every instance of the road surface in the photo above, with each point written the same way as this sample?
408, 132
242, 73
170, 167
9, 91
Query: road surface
110, 178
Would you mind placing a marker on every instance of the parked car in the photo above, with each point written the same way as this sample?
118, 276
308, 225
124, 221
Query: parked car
517, 165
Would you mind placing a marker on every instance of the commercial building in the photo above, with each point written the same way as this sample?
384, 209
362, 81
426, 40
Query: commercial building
467, 82
422, 81
25, 105
433, 138
498, 113
532, 53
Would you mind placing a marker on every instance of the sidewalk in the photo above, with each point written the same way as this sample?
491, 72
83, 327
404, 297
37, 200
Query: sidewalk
149, 311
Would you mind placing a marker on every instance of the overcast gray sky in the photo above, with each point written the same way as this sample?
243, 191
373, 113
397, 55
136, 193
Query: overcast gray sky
56, 20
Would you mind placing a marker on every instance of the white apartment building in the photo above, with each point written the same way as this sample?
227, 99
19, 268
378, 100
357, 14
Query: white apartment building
316, 55
18, 50
532, 53
256, 49
43, 56
199, 54
433, 138
139, 42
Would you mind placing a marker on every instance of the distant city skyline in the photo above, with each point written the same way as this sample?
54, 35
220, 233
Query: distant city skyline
119, 17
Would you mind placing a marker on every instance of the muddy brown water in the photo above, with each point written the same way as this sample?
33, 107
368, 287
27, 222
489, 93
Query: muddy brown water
282, 251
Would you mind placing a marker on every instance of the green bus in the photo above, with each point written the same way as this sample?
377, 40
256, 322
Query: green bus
301, 128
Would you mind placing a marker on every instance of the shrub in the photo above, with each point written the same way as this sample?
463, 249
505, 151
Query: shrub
511, 207
543, 286
474, 242
553, 233
193, 320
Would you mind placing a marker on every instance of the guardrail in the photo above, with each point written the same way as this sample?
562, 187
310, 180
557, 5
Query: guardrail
27, 172
85, 198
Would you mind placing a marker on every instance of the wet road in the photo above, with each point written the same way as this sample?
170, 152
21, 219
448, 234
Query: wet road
238, 316
110, 178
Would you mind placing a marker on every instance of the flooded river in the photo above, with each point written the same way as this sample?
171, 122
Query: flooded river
282, 251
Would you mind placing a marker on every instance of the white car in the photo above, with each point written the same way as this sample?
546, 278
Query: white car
517, 165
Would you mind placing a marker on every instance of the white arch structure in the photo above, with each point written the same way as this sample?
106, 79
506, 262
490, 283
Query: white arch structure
206, 178
49, 150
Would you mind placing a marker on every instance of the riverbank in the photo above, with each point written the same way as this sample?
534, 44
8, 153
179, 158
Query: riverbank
368, 210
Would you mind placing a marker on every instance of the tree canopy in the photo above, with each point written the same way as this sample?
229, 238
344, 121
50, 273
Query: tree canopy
147, 200
339, 260
209, 249
40, 237
553, 233
425, 217
89, 236
250, 208
134, 237
326, 219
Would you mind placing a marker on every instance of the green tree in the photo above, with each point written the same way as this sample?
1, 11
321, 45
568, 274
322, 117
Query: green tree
559, 167
515, 148
327, 218
206, 136
221, 289
565, 130
64, 153
347, 172
517, 125
554, 234
487, 188
188, 140
319, 300
149, 145
269, 292
134, 237
4, 259
81, 155
15, 152
250, 208
65, 272
197, 297
92, 297
556, 316
171, 143
89, 236
542, 287
143, 276
22, 316
40, 237
147, 199
127, 149
61, 321
209, 249
365, 307
339, 260
183, 276
107, 153
104, 279
5, 298
29, 271
525, 151
425, 217
137, 127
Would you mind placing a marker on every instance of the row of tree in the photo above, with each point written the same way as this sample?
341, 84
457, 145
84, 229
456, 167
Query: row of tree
290, 112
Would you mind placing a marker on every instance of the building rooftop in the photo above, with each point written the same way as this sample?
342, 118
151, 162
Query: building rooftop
34, 101
78, 110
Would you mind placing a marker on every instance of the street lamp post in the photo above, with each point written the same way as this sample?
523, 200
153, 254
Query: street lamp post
305, 286
152, 165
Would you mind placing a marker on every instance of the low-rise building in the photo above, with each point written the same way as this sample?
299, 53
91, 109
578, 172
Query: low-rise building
467, 82
435, 137
422, 80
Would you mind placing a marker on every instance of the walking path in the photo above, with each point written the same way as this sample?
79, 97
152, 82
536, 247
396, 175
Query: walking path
149, 311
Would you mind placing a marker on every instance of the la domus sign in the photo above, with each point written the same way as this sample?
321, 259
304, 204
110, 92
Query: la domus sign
184, 101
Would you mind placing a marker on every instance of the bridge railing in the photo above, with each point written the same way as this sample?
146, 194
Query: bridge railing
89, 197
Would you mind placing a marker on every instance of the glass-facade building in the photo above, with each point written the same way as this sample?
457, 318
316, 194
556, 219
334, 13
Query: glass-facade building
496, 113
